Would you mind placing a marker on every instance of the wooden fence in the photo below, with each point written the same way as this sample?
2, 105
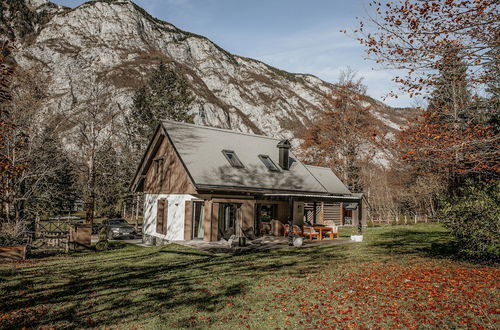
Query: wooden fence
60, 235
403, 220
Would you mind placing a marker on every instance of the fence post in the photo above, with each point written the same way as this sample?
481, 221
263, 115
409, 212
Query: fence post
415, 218
406, 221
37, 226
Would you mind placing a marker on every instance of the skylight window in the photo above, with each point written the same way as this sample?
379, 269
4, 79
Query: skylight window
269, 163
232, 158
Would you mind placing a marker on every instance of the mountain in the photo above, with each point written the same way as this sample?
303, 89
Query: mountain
120, 42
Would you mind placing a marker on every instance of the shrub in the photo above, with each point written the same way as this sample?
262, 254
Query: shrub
8, 240
473, 217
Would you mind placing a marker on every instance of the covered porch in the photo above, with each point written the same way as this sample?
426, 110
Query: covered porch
252, 217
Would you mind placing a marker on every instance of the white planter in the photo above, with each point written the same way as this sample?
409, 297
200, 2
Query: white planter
357, 238
298, 241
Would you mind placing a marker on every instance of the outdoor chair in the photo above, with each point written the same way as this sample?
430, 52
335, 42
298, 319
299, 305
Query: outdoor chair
334, 233
311, 233
265, 228
276, 227
296, 230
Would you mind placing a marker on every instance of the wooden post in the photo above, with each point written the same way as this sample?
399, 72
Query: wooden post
290, 221
137, 213
406, 221
314, 213
360, 217
322, 214
37, 226
415, 218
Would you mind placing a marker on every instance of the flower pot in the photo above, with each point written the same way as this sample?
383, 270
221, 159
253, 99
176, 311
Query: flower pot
17, 252
357, 238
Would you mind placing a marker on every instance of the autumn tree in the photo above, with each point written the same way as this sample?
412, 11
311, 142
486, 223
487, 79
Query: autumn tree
166, 95
415, 36
342, 136
447, 49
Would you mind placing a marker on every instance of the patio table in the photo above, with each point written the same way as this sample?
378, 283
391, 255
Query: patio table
321, 230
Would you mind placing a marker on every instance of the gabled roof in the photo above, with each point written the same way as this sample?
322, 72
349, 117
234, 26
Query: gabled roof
328, 179
201, 148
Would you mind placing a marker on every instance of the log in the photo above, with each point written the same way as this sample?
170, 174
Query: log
17, 252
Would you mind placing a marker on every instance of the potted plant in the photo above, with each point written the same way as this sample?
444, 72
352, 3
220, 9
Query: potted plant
12, 248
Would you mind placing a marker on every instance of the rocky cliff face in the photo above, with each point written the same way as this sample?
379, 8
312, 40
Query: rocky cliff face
120, 42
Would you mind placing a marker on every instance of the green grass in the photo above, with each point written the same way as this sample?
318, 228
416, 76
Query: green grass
400, 275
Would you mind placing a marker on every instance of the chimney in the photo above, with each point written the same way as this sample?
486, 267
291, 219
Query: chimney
284, 147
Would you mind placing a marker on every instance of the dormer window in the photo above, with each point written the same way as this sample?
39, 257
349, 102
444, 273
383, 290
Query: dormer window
269, 163
232, 158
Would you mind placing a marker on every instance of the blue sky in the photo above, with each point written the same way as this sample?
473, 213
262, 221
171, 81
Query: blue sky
294, 35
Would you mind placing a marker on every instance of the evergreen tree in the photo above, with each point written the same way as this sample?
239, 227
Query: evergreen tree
451, 97
165, 96
50, 186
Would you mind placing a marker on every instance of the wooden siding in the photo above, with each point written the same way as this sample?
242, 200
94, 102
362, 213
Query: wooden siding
326, 213
248, 214
167, 174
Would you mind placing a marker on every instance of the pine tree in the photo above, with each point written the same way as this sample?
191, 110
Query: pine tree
165, 96
51, 183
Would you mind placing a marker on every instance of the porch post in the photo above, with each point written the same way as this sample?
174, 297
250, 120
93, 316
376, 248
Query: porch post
360, 216
290, 221
314, 213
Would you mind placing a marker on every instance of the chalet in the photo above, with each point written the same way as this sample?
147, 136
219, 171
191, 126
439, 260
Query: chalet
209, 183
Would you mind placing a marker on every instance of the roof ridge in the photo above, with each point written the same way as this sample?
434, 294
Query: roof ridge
221, 130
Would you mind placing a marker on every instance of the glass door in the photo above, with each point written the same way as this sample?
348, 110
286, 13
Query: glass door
198, 215
227, 220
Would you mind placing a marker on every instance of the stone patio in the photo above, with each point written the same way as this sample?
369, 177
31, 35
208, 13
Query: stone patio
265, 243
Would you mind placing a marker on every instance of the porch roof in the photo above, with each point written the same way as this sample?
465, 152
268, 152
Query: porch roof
352, 198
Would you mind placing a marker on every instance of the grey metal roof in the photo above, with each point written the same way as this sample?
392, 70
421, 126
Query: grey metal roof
328, 179
200, 149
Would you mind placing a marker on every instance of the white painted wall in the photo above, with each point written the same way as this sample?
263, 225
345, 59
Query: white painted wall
175, 221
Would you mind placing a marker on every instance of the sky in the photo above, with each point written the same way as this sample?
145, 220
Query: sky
300, 36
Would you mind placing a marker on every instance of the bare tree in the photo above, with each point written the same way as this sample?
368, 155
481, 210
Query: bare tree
94, 121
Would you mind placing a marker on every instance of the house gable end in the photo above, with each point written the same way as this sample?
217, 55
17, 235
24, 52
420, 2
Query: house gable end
161, 170
166, 174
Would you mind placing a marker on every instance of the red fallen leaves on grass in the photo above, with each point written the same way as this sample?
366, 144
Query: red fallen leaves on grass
390, 294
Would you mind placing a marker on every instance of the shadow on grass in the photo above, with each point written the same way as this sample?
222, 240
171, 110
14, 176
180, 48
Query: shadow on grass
435, 244
108, 288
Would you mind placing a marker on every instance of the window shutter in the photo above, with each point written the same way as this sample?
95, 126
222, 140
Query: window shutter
165, 218
188, 220
161, 216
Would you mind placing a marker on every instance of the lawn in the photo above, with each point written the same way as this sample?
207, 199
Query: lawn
400, 276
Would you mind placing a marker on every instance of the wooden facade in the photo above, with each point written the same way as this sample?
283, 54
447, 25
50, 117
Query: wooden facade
326, 213
166, 173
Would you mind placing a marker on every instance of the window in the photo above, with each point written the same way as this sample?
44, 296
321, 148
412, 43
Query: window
269, 163
232, 158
